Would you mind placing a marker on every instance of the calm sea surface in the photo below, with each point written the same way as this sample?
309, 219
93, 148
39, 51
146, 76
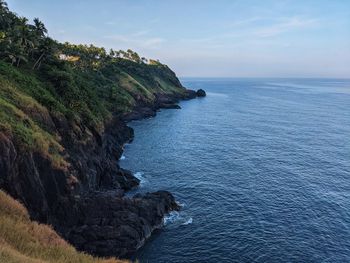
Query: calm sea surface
260, 166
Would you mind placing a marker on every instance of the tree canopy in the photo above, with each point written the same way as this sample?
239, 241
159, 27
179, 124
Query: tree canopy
24, 42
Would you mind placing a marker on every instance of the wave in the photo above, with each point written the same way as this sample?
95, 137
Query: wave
122, 157
188, 222
177, 218
141, 177
180, 204
171, 217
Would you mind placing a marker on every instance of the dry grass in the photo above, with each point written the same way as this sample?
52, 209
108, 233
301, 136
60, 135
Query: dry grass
132, 86
20, 116
25, 241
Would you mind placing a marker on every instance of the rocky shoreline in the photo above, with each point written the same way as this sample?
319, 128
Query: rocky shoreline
110, 224
63, 114
86, 202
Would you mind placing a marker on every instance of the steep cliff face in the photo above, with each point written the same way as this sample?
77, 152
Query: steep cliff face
85, 203
23, 240
63, 109
62, 163
42, 187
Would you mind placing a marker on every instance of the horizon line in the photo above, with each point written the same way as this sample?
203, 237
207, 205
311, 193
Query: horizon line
237, 77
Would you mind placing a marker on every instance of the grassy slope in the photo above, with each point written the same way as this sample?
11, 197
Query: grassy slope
88, 97
21, 116
28, 100
24, 241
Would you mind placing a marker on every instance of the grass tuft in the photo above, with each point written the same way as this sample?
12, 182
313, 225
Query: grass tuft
25, 241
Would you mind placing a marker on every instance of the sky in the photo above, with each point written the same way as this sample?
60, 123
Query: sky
206, 38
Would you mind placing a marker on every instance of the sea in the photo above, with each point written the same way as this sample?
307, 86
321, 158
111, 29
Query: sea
260, 167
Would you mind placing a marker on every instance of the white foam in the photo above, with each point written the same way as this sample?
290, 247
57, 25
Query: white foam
180, 204
171, 217
188, 222
177, 218
141, 177
122, 157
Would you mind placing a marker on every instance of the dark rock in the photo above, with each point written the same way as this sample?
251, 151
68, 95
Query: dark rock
91, 213
85, 203
126, 179
120, 224
140, 113
190, 94
170, 106
166, 101
201, 93
163, 99
8, 156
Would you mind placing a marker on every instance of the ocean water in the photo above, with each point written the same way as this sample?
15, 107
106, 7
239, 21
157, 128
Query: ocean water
261, 168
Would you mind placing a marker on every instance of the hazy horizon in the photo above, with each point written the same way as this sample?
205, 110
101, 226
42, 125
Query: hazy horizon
284, 39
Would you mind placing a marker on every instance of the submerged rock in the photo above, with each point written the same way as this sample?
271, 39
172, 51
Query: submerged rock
201, 93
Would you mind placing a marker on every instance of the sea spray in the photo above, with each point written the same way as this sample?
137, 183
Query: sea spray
141, 177
188, 222
177, 218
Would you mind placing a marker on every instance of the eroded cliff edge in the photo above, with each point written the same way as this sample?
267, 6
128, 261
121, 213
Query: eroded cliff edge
63, 114
79, 189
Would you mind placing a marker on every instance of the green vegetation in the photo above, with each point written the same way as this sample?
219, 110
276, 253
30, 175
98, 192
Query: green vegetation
41, 79
25, 241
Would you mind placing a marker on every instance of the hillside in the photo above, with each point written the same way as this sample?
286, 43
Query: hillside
25, 241
90, 97
63, 114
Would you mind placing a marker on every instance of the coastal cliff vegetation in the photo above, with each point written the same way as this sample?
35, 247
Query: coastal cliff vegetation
63, 113
83, 83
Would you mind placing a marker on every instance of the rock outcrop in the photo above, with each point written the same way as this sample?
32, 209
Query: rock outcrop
163, 101
201, 93
85, 202
108, 224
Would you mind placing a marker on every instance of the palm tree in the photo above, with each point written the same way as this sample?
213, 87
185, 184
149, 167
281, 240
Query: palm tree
3, 15
23, 39
39, 32
47, 50
40, 28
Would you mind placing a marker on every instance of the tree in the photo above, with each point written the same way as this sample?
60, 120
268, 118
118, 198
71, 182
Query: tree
144, 60
4, 18
21, 41
24, 40
40, 28
112, 53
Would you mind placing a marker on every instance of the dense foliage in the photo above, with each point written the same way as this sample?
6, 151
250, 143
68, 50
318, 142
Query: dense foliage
41, 78
22, 42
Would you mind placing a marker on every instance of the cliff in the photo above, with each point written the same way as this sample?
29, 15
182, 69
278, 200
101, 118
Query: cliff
63, 114
25, 241
61, 161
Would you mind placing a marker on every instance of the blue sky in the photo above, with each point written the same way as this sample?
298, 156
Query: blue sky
222, 38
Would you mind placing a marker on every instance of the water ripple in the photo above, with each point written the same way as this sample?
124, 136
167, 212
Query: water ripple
263, 167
